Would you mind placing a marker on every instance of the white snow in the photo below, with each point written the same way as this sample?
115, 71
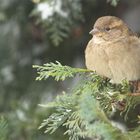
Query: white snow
47, 9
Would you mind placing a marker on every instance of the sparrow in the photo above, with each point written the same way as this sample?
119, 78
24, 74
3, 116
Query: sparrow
114, 50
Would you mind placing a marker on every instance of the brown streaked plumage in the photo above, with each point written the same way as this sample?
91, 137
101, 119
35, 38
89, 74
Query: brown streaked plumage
114, 50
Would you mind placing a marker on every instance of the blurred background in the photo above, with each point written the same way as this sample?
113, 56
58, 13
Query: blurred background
38, 32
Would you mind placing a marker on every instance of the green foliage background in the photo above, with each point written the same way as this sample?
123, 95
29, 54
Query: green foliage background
26, 40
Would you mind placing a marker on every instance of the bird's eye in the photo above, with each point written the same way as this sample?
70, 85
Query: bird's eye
107, 29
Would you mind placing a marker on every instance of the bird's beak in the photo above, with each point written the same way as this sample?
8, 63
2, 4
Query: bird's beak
94, 31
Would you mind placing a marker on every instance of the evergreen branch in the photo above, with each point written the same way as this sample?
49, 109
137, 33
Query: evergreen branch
75, 126
56, 30
86, 111
132, 102
90, 112
98, 124
57, 71
3, 129
135, 135
64, 106
54, 122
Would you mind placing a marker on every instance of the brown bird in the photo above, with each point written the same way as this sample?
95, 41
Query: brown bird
114, 50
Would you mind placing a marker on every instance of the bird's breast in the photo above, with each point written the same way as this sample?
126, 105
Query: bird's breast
97, 59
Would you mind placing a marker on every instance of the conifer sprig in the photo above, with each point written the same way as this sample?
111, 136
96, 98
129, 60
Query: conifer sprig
3, 129
57, 71
86, 111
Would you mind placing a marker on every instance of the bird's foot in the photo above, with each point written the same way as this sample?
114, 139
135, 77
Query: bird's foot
135, 88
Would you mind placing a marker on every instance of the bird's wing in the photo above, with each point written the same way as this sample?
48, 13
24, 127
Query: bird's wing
124, 60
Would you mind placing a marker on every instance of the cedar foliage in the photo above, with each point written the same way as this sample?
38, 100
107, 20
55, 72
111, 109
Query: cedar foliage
3, 129
87, 111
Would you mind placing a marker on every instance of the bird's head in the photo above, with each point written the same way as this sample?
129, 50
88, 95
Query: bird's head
109, 28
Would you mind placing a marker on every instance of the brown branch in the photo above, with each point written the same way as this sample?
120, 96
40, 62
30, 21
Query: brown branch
134, 94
